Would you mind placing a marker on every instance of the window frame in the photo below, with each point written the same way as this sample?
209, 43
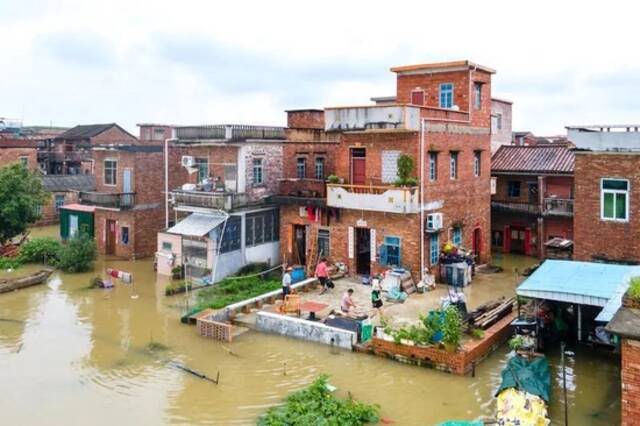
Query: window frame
232, 237
395, 245
615, 193
123, 233
456, 236
453, 165
477, 163
57, 205
258, 166
445, 95
24, 161
318, 168
477, 93
272, 234
165, 248
326, 238
301, 167
433, 166
434, 249
114, 169
509, 192
202, 164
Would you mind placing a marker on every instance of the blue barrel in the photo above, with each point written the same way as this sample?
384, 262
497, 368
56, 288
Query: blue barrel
297, 274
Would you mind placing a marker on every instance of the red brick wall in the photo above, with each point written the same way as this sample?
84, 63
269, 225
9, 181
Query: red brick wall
144, 226
10, 156
49, 214
305, 119
155, 134
630, 382
309, 151
502, 187
596, 238
112, 136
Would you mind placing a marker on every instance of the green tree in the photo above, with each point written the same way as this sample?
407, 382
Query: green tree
78, 254
406, 167
21, 195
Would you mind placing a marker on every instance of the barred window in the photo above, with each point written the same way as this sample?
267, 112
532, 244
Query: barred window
232, 235
262, 227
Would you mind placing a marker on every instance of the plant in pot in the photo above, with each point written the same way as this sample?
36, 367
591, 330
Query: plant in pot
406, 167
451, 329
333, 179
177, 272
516, 343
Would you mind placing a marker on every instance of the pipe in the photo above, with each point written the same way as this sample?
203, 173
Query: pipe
422, 265
166, 183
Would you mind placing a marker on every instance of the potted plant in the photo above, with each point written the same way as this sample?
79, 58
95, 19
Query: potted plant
333, 179
406, 167
451, 329
177, 272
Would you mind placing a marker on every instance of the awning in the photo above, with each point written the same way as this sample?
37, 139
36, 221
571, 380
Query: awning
197, 224
583, 283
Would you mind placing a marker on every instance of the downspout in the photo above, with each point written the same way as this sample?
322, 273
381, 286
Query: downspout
166, 183
422, 265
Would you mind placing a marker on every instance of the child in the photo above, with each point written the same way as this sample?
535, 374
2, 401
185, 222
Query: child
376, 297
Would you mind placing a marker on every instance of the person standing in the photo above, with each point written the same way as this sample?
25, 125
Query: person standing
376, 297
286, 282
322, 274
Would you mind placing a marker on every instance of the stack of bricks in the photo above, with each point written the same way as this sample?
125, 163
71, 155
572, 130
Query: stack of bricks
214, 329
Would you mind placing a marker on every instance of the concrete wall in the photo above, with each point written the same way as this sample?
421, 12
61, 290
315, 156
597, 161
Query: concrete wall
362, 117
604, 141
305, 330
502, 135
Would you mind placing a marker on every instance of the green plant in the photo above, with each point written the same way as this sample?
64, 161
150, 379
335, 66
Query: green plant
176, 287
317, 405
406, 167
516, 342
233, 290
95, 282
634, 288
10, 262
477, 333
333, 179
77, 255
40, 250
452, 327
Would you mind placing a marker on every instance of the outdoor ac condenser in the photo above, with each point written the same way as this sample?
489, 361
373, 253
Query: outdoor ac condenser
188, 161
434, 221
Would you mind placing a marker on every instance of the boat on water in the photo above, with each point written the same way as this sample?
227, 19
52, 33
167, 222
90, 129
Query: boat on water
11, 284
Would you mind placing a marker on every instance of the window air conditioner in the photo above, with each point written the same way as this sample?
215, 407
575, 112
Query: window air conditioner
434, 221
188, 161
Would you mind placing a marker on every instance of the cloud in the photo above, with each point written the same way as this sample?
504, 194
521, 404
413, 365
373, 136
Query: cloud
81, 49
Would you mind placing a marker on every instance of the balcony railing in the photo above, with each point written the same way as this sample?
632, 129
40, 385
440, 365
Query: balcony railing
311, 192
229, 132
513, 207
64, 156
124, 200
372, 117
387, 199
210, 200
558, 206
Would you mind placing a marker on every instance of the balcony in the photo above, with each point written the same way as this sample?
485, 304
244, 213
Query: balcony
386, 199
512, 207
372, 117
229, 132
59, 157
558, 207
304, 192
114, 200
209, 200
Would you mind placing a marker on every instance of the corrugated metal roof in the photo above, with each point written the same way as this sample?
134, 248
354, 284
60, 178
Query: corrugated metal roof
79, 208
533, 159
65, 183
197, 224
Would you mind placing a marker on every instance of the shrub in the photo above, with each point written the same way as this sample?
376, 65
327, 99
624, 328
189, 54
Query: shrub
333, 179
516, 342
10, 262
452, 327
317, 405
230, 291
77, 255
40, 250
634, 288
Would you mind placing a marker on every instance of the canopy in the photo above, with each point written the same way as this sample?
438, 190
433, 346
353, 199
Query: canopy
197, 224
584, 283
528, 376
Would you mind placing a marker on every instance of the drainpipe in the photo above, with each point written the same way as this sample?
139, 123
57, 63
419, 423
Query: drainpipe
422, 130
166, 183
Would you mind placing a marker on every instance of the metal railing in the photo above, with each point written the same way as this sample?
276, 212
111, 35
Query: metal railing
119, 200
558, 206
230, 132
506, 206
210, 200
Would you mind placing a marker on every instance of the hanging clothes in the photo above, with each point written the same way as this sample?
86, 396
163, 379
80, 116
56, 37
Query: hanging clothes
311, 215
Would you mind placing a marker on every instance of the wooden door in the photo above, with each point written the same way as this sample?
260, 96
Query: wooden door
110, 246
477, 242
358, 166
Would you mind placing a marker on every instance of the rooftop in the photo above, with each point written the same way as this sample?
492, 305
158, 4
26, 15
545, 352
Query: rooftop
605, 137
85, 131
229, 133
66, 183
129, 148
443, 67
533, 159
625, 323
17, 143
79, 208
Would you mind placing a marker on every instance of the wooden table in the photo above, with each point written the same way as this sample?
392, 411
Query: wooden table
312, 308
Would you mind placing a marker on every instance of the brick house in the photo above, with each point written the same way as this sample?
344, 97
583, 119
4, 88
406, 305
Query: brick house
533, 200
18, 150
501, 113
70, 151
607, 200
128, 199
220, 178
524, 138
64, 190
369, 223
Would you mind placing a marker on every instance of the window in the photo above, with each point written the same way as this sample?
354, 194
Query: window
167, 246
59, 202
158, 134
417, 97
324, 242
202, 164
434, 248
319, 172
499, 121
513, 189
456, 236
258, 178
262, 227
124, 235
453, 165
477, 100
301, 167
433, 166
232, 235
446, 95
110, 172
476, 163
390, 166
38, 210
614, 200
390, 252
24, 162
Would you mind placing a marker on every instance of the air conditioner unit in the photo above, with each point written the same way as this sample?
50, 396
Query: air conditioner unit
434, 221
188, 161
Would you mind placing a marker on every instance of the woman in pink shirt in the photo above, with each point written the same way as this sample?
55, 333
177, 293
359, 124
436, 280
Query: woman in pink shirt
322, 274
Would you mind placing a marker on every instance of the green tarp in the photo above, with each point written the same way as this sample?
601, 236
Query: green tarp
529, 376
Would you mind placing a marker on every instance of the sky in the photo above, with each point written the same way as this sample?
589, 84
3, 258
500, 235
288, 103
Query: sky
208, 62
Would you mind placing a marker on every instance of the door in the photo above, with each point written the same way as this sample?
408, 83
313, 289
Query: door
358, 166
127, 188
73, 225
363, 251
230, 178
477, 242
300, 242
110, 246
517, 236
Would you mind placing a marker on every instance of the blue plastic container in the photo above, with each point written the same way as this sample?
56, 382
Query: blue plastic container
297, 274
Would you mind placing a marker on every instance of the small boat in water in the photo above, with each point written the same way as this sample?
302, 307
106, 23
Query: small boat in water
11, 284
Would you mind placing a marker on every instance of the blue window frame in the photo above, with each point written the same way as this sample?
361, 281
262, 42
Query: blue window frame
434, 248
446, 95
390, 251
456, 236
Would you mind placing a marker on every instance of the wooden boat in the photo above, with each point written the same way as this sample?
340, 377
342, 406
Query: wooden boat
10, 284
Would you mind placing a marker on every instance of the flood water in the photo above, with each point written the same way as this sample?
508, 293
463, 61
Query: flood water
72, 356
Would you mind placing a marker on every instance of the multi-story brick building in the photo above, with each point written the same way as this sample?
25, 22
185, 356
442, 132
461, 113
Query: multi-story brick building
501, 130
440, 118
607, 199
533, 200
18, 151
219, 179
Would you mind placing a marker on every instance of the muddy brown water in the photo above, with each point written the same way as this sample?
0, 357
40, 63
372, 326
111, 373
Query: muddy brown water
71, 356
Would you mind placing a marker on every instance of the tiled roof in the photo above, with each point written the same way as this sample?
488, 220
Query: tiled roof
86, 131
533, 159
65, 183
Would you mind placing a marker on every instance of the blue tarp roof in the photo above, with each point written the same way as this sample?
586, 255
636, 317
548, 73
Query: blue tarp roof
584, 283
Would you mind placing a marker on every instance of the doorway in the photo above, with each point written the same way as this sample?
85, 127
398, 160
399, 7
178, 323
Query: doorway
363, 251
517, 235
477, 242
300, 244
358, 166
110, 246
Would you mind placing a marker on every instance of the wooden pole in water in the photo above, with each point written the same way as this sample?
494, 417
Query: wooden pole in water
564, 384
284, 368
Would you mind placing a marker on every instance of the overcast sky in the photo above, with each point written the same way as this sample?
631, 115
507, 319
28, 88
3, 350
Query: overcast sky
188, 62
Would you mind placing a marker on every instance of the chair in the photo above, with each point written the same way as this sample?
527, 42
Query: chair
291, 304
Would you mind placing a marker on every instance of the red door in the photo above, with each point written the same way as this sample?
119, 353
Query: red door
110, 246
358, 166
477, 242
